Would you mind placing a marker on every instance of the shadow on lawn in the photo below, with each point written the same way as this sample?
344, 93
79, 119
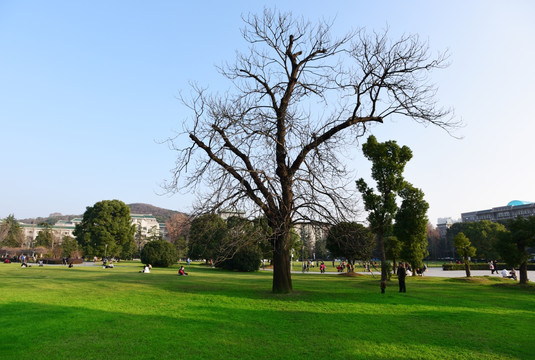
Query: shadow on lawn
208, 331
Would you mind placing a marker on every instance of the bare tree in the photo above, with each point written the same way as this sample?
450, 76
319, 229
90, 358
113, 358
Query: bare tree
275, 141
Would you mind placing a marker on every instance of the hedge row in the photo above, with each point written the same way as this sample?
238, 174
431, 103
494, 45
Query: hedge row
47, 261
479, 266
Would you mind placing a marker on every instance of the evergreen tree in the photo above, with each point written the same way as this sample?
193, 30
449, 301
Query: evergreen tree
411, 226
11, 234
106, 230
388, 162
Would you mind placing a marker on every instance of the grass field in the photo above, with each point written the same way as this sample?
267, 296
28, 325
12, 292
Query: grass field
54, 312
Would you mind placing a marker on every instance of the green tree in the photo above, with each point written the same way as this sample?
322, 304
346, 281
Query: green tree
46, 236
513, 244
465, 250
178, 226
69, 246
106, 230
388, 162
264, 146
159, 253
207, 234
482, 234
411, 226
352, 241
11, 234
393, 249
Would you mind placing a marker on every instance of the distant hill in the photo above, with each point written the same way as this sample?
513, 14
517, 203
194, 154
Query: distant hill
161, 215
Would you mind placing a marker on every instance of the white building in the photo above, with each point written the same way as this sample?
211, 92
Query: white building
146, 222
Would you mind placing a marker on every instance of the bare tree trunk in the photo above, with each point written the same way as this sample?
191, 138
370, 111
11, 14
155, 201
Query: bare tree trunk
523, 273
282, 280
467, 268
381, 246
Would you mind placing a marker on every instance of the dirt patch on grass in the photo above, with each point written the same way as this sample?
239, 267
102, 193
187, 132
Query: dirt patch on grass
350, 274
473, 280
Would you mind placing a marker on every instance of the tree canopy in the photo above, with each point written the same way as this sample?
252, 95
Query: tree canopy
299, 97
464, 249
411, 226
388, 162
350, 240
513, 244
159, 253
106, 229
11, 234
483, 236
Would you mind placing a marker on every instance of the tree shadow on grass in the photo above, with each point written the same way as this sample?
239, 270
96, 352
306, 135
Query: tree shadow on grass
201, 331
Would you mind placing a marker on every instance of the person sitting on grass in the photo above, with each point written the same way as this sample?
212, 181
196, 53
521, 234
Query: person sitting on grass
512, 274
181, 271
504, 273
145, 270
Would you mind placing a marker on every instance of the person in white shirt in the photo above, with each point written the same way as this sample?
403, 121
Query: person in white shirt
504, 273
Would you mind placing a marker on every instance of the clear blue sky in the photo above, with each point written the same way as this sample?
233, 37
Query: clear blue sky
88, 88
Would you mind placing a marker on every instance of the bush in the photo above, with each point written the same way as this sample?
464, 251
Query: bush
159, 253
244, 260
59, 261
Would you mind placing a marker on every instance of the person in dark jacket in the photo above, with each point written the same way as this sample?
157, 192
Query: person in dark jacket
402, 273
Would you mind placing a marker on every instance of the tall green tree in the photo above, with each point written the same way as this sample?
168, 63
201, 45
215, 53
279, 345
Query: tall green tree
513, 244
69, 246
11, 234
352, 241
207, 235
388, 162
46, 236
393, 250
263, 145
411, 226
465, 250
107, 230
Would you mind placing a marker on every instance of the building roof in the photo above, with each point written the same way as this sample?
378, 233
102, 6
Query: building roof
519, 202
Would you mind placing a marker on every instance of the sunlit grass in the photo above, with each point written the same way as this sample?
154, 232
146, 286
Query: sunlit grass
93, 313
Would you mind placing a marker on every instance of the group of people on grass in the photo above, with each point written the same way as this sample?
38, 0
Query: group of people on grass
493, 266
148, 267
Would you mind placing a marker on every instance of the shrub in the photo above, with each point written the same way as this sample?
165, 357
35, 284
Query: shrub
244, 260
159, 253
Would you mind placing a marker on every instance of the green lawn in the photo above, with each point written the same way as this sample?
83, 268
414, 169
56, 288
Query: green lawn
54, 312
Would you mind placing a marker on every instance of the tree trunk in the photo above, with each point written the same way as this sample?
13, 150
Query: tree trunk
523, 273
467, 268
282, 279
381, 246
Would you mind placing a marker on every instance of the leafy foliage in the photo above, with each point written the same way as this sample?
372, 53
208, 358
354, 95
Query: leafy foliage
482, 234
411, 226
245, 260
45, 237
69, 246
207, 234
159, 253
513, 244
106, 229
350, 240
464, 249
11, 234
388, 162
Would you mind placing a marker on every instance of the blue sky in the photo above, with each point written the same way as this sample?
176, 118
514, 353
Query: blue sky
88, 89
